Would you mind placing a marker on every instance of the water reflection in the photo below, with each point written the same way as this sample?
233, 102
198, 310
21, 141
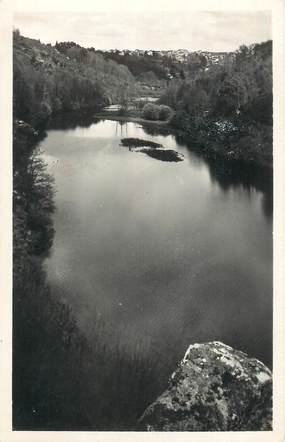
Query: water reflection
121, 128
71, 120
232, 174
166, 253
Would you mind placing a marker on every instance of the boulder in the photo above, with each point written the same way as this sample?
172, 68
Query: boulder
215, 388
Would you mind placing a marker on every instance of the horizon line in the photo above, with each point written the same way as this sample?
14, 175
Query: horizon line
140, 49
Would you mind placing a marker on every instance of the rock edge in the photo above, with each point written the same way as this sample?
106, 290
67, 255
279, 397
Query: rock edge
214, 388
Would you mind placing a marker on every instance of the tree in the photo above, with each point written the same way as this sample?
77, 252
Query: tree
182, 75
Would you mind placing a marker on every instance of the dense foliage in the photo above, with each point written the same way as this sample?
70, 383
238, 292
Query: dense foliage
242, 85
141, 65
227, 109
48, 81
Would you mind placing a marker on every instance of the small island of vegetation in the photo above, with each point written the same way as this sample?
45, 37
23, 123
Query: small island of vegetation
152, 149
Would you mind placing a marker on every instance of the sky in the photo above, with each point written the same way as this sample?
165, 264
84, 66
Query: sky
160, 30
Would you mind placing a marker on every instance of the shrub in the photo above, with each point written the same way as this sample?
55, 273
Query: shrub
151, 112
180, 121
164, 112
123, 110
156, 112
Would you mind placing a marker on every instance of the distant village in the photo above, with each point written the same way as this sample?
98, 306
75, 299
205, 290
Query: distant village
179, 55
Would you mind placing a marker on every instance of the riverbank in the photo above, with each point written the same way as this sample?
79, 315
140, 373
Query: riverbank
132, 118
233, 139
114, 399
228, 140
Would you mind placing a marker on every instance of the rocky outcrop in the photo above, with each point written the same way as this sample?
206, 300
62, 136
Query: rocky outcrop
215, 388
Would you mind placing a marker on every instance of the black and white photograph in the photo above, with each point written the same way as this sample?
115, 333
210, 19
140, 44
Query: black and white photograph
143, 172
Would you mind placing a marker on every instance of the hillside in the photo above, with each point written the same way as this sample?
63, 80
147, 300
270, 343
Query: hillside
47, 81
226, 109
166, 64
67, 77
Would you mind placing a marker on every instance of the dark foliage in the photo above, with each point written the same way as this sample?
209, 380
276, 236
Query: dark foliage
227, 110
233, 140
139, 65
242, 85
47, 80
152, 149
166, 155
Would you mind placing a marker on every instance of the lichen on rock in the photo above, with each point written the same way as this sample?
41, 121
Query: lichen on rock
215, 388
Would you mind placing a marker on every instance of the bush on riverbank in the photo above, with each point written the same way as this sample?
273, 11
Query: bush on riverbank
235, 139
156, 112
165, 112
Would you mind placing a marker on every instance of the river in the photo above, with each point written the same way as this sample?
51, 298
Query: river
165, 254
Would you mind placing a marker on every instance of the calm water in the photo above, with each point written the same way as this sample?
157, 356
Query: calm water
164, 254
